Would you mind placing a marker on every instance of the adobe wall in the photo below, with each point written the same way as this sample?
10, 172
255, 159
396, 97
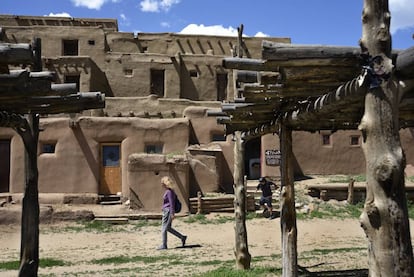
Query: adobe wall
144, 180
75, 165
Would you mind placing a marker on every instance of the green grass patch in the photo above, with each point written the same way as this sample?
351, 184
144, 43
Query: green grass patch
134, 259
231, 272
316, 252
326, 210
347, 179
46, 262
202, 219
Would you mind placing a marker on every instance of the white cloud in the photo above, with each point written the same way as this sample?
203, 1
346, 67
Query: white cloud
261, 34
92, 4
401, 14
157, 5
215, 30
165, 24
63, 14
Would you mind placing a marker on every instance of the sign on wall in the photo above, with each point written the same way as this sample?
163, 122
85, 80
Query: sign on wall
273, 157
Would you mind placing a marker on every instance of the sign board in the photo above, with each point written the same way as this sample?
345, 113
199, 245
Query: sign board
273, 157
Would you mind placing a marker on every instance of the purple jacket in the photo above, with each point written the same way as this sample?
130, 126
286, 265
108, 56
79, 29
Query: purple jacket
169, 201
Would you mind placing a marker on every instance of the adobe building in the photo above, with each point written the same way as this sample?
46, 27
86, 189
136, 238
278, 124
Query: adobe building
158, 87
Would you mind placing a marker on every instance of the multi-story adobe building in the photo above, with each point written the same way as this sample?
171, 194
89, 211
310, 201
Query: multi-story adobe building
158, 89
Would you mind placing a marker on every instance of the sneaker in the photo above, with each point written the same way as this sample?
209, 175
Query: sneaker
272, 217
184, 238
162, 247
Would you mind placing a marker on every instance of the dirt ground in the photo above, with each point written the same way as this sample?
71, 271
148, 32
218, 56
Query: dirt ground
323, 245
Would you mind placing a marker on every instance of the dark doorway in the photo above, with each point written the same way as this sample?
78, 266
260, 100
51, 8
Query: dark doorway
4, 165
73, 79
157, 82
221, 86
252, 162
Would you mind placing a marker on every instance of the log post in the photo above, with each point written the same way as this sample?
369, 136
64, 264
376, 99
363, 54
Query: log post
199, 203
241, 251
287, 206
385, 215
29, 247
350, 198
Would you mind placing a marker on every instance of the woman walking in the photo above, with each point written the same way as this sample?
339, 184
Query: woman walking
168, 213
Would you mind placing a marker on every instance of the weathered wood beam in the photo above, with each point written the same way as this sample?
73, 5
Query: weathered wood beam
405, 64
15, 54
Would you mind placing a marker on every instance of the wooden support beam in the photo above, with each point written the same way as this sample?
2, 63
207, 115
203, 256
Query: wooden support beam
243, 257
287, 206
16, 53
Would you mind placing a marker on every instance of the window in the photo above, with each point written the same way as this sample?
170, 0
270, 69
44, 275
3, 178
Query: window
153, 148
91, 42
354, 140
73, 79
128, 72
70, 47
193, 73
326, 139
48, 148
157, 82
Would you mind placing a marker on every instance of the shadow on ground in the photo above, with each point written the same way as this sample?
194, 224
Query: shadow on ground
343, 273
190, 246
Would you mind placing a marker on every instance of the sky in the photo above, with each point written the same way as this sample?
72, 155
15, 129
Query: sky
326, 22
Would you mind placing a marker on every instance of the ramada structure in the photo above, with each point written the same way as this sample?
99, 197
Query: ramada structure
161, 91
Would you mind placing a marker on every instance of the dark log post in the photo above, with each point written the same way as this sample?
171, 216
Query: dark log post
385, 216
350, 198
287, 206
241, 251
29, 248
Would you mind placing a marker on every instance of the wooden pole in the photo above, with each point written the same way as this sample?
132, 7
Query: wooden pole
241, 251
350, 198
385, 215
287, 206
29, 248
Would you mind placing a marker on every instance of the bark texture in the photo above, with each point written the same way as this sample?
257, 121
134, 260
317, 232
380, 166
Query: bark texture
29, 248
385, 215
287, 204
241, 251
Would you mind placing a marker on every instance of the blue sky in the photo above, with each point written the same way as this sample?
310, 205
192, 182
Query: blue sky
328, 22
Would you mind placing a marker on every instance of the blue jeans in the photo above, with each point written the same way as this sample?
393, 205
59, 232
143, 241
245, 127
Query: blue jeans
166, 227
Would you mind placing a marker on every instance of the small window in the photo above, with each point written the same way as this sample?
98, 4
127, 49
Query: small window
354, 140
91, 42
128, 72
48, 148
218, 137
326, 139
70, 47
153, 148
193, 73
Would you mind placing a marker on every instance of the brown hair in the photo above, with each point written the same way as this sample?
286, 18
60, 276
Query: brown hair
168, 182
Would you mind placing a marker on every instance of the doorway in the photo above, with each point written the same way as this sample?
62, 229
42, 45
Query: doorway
110, 169
5, 166
252, 161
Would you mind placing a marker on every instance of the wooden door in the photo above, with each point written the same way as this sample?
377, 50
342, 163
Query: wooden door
4, 165
110, 169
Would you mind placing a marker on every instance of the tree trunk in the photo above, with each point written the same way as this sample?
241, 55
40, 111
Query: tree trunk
241, 251
287, 207
385, 215
29, 248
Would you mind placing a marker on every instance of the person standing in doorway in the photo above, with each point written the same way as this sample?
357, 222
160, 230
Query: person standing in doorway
168, 213
266, 198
